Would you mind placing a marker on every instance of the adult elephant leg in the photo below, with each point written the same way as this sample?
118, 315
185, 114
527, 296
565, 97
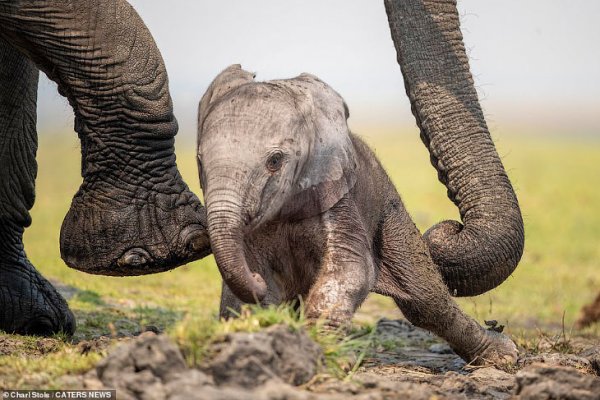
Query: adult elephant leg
28, 302
481, 253
133, 213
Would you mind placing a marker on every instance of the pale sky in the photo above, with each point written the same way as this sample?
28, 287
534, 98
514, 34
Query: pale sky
536, 63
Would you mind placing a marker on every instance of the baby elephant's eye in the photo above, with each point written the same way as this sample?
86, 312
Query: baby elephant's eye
275, 161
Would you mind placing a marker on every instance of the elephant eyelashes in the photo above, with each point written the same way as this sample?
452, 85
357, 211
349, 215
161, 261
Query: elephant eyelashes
275, 161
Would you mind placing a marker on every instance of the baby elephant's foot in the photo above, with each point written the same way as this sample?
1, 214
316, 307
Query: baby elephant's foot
29, 304
498, 350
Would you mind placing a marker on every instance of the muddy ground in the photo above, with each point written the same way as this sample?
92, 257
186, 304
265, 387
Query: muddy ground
278, 363
401, 361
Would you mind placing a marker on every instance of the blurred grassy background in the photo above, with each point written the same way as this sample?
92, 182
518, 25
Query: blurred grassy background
556, 178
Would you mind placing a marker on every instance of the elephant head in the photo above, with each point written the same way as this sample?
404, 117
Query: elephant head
268, 150
482, 252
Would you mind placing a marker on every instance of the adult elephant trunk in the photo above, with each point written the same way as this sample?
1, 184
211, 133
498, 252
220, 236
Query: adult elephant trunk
133, 213
225, 227
481, 253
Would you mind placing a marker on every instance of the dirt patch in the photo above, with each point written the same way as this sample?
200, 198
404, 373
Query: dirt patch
95, 345
401, 345
13, 345
280, 363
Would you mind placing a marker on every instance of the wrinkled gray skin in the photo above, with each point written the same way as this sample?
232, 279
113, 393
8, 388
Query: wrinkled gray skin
298, 206
133, 214
483, 251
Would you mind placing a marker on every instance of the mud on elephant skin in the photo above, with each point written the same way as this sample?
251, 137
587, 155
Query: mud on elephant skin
133, 213
299, 206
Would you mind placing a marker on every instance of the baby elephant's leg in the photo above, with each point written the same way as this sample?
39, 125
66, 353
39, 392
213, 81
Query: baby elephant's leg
347, 271
410, 277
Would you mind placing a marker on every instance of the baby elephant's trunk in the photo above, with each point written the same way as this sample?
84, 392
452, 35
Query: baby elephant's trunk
225, 225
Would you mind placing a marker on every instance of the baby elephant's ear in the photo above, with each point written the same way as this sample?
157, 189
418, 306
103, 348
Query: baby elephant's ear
231, 78
329, 171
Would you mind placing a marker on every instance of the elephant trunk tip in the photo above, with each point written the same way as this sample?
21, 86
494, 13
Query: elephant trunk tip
259, 287
253, 290
473, 260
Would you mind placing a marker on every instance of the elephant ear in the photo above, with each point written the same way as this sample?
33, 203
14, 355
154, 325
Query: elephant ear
228, 80
329, 170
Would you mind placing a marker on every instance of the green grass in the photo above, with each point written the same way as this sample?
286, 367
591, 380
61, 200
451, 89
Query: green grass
342, 352
25, 369
556, 179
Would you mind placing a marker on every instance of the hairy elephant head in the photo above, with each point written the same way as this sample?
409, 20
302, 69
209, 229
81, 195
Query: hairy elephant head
268, 150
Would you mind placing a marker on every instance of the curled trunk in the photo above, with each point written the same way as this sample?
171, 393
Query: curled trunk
483, 251
225, 227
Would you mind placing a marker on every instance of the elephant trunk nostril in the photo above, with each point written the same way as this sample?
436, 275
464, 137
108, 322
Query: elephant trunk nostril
198, 243
135, 257
195, 239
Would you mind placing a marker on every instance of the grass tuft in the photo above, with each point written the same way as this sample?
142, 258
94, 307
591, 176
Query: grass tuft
343, 353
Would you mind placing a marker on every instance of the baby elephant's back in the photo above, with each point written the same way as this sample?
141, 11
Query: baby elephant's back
373, 192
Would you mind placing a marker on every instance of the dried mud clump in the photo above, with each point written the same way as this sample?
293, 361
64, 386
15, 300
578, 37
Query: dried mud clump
542, 382
152, 367
406, 362
250, 359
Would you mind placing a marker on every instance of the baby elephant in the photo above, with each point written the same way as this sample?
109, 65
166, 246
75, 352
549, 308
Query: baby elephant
299, 206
